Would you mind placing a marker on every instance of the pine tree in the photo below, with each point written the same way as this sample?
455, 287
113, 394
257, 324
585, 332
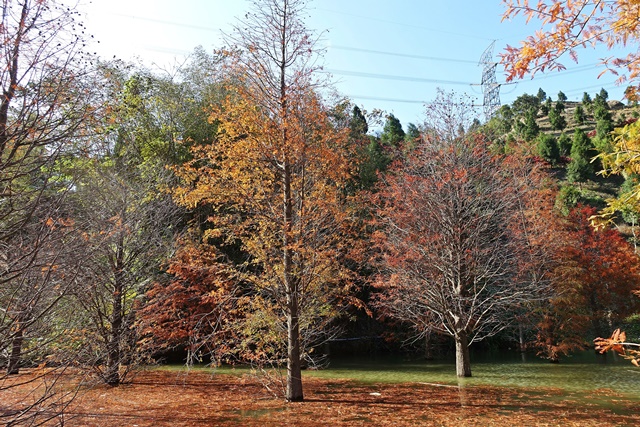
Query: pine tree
580, 168
578, 115
392, 133
556, 117
531, 128
548, 148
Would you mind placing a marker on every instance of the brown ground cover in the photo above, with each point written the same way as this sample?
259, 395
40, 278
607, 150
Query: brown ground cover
164, 398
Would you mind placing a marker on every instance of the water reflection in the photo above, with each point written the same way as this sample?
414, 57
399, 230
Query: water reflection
583, 372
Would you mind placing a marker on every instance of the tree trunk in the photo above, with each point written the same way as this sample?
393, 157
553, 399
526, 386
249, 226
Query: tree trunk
596, 322
112, 375
463, 362
522, 343
428, 345
294, 365
12, 84
13, 368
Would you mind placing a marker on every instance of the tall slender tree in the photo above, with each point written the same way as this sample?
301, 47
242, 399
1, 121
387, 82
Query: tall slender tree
275, 179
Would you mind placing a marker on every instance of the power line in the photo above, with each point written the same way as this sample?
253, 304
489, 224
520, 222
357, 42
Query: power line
393, 77
374, 52
375, 98
563, 73
402, 55
600, 86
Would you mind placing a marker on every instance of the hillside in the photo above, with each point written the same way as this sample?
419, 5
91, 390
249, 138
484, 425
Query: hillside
577, 173
619, 111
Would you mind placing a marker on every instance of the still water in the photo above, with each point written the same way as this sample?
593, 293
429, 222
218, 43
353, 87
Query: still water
581, 373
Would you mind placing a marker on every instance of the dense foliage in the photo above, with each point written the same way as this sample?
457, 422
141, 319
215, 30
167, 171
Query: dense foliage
229, 212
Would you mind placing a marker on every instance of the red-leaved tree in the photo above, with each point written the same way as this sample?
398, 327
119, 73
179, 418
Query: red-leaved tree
195, 309
457, 253
596, 275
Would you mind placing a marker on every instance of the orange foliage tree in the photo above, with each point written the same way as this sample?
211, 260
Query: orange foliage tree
275, 180
569, 25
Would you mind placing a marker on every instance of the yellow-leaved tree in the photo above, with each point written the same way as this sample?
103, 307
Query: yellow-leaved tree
275, 181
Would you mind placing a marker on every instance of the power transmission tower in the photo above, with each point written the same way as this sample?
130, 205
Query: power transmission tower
490, 86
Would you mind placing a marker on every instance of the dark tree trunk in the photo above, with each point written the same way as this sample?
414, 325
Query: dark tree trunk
13, 368
114, 352
428, 345
294, 365
112, 375
463, 362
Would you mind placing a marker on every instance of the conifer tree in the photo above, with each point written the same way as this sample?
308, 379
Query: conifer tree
556, 117
578, 115
580, 169
548, 148
392, 134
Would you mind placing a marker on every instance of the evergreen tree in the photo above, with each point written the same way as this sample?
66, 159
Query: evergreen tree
579, 115
412, 135
567, 199
530, 129
564, 144
581, 144
371, 156
502, 120
392, 133
548, 148
556, 117
602, 140
601, 110
542, 96
580, 168
546, 107
562, 97
600, 105
374, 160
525, 104
358, 126
604, 94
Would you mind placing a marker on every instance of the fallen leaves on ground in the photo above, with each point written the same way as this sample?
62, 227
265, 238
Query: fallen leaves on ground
166, 398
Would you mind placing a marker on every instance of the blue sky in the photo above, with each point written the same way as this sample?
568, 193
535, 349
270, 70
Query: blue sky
387, 55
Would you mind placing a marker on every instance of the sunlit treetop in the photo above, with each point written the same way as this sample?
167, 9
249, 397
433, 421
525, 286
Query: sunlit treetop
568, 25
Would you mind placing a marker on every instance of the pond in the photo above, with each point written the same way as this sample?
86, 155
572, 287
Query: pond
581, 373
